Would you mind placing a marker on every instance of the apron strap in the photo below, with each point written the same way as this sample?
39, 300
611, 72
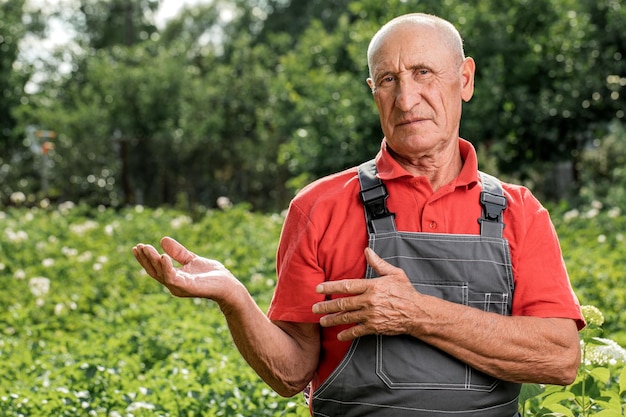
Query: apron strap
494, 202
374, 195
379, 219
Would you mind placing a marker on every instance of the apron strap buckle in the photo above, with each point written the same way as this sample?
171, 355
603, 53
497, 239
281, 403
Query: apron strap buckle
374, 200
494, 202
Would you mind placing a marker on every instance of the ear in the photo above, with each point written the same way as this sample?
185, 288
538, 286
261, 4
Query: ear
370, 83
468, 69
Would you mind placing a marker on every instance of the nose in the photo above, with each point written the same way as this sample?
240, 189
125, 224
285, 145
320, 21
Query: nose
408, 94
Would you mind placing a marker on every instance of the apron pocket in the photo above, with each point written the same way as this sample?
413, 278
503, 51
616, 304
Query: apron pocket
404, 362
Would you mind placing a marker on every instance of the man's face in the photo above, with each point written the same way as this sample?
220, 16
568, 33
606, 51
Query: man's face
419, 84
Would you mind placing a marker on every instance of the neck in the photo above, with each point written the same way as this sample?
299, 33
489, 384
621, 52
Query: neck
439, 167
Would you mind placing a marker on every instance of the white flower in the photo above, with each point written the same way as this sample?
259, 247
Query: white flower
85, 257
66, 206
18, 197
224, 203
82, 228
614, 212
592, 213
138, 405
16, 237
571, 214
596, 204
601, 238
179, 221
609, 353
39, 286
108, 229
48, 262
70, 252
19, 274
592, 315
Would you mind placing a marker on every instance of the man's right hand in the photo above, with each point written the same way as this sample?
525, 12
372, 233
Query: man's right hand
196, 277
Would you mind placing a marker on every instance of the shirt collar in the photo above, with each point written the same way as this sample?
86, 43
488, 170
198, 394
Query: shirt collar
390, 169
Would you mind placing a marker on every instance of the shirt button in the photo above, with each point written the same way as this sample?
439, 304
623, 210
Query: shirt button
433, 225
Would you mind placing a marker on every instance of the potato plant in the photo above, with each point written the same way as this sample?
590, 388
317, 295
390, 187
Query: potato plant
84, 332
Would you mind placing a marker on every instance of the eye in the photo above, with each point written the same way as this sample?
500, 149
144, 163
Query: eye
386, 80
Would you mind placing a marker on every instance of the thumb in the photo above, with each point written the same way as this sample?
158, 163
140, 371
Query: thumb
177, 251
378, 264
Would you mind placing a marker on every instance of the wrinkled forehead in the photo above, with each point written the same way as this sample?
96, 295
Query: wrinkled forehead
415, 35
407, 47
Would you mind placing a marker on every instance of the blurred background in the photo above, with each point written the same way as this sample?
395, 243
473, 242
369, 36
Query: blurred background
167, 103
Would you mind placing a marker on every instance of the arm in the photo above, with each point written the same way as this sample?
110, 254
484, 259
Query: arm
512, 348
284, 354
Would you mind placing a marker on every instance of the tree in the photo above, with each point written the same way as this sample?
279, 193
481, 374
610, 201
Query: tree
254, 99
16, 24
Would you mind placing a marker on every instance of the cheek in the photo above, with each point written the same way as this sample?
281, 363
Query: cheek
385, 108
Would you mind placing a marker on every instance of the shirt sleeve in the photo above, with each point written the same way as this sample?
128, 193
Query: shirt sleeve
542, 285
297, 270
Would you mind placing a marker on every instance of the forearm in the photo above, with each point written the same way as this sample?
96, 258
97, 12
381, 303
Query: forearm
285, 356
517, 349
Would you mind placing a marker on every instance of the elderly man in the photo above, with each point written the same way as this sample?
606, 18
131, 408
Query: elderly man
412, 285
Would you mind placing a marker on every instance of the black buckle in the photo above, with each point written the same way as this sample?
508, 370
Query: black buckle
493, 205
374, 201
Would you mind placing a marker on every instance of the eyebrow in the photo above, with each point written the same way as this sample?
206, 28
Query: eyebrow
411, 68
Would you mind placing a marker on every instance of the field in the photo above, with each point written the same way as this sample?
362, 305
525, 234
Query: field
85, 333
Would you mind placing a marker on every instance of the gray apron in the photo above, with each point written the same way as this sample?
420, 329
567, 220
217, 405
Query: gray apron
397, 376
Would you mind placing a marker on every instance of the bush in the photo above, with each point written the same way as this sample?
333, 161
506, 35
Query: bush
603, 168
85, 332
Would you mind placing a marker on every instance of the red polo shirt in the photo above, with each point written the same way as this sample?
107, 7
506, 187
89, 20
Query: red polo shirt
325, 233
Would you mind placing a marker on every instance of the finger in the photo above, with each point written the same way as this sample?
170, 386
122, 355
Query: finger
344, 286
378, 264
177, 251
337, 305
167, 270
148, 258
339, 319
353, 332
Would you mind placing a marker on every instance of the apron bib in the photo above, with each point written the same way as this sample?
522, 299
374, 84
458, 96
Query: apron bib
401, 375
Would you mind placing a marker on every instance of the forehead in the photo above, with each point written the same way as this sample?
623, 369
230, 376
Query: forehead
408, 45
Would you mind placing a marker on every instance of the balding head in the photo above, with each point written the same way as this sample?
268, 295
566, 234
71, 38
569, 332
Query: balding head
449, 34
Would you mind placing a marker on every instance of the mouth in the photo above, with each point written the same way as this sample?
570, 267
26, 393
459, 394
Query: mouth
411, 120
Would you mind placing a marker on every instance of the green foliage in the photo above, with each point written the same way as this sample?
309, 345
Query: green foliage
115, 22
603, 168
253, 99
84, 332
593, 241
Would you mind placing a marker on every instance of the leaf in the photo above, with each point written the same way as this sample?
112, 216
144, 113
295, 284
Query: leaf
557, 397
608, 413
529, 391
601, 374
559, 410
